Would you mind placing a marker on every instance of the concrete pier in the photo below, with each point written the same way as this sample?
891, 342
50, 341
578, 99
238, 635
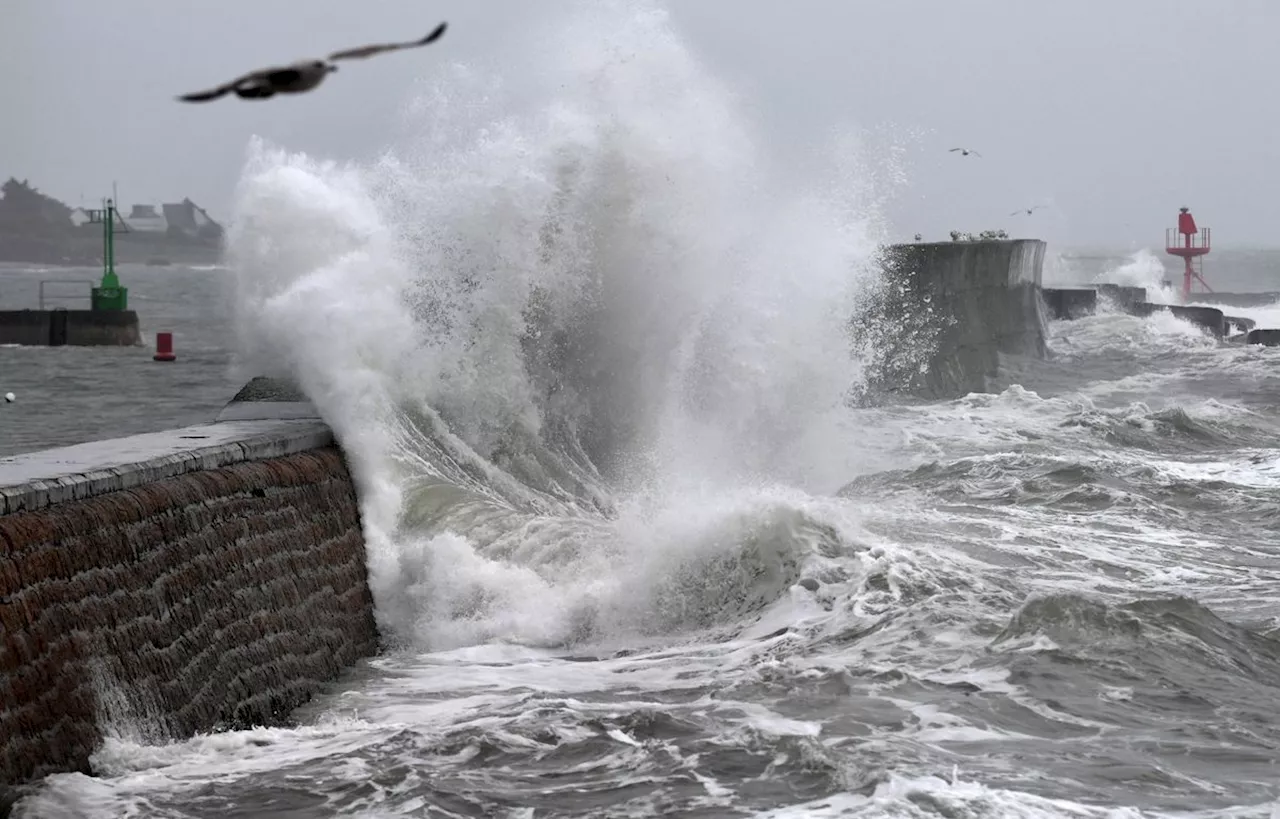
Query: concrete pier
77, 328
1073, 303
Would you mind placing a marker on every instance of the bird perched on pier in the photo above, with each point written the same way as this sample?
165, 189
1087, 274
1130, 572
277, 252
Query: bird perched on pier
1027, 211
964, 152
301, 76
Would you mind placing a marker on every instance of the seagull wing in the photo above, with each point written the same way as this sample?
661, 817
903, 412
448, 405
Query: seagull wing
1015, 213
975, 153
378, 48
953, 150
212, 93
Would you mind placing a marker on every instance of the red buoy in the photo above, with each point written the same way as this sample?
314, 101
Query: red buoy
164, 347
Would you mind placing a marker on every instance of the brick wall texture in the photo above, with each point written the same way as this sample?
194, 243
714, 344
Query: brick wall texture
216, 599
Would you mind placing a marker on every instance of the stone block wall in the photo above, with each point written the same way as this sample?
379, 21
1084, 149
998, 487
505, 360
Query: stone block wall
215, 598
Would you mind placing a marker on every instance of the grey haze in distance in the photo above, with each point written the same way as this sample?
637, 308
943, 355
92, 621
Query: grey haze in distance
1113, 114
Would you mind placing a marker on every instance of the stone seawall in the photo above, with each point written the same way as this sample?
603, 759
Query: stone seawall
948, 312
210, 577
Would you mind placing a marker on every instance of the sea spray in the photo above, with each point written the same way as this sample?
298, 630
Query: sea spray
522, 320
1142, 268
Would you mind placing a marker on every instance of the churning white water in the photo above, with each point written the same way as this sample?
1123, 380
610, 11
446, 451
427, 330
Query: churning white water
1143, 269
427, 302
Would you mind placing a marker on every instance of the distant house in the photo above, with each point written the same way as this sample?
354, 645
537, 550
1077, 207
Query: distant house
183, 218
191, 219
144, 219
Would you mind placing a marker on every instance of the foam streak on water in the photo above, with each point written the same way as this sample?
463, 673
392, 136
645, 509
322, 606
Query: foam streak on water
636, 557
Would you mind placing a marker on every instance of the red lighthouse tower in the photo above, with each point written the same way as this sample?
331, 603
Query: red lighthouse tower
1189, 243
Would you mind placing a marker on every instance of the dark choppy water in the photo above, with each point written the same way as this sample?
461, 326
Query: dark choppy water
67, 395
1058, 600
635, 557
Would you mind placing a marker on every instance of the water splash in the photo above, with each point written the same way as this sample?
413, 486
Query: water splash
517, 321
1142, 268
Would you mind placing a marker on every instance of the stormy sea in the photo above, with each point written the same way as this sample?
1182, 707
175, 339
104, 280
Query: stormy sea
639, 544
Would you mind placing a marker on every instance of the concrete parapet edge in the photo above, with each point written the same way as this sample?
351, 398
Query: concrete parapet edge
37, 480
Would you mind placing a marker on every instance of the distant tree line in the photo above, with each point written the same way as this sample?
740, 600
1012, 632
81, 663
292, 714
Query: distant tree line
25, 210
37, 228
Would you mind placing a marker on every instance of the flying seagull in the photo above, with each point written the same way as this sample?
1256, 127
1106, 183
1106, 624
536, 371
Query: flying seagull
964, 152
301, 76
1027, 211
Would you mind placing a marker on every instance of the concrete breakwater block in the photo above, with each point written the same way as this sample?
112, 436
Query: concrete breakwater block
1266, 338
76, 328
1123, 295
1239, 324
948, 312
1066, 304
1207, 318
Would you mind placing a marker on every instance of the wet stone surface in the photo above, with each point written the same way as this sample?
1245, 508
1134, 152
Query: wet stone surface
223, 597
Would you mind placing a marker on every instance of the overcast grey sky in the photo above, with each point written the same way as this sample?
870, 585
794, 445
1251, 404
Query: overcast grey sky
1113, 112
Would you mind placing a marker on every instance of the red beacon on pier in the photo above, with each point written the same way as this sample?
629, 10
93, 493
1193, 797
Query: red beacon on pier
1190, 244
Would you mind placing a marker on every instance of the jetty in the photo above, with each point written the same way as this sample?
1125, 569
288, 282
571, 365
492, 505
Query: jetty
107, 322
1191, 244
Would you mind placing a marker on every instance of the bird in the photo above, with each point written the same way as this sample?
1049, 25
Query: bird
300, 76
964, 152
1027, 211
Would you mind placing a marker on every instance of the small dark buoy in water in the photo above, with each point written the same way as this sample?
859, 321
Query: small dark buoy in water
809, 583
164, 347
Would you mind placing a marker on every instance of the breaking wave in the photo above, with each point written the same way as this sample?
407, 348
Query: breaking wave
567, 350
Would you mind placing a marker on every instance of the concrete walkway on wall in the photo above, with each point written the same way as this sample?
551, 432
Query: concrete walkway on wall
266, 419
38, 479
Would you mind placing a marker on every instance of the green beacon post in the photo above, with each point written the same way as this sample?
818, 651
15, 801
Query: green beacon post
109, 295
